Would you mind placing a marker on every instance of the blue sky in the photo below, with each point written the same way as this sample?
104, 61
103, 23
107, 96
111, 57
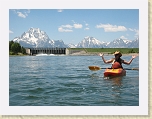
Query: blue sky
72, 25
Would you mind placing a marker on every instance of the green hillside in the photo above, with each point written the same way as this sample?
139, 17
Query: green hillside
108, 50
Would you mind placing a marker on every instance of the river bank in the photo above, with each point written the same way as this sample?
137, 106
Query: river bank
83, 53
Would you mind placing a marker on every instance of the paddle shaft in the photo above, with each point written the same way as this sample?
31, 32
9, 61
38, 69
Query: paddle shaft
132, 69
95, 68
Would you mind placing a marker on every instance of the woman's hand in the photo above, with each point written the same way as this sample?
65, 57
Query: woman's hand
134, 56
101, 54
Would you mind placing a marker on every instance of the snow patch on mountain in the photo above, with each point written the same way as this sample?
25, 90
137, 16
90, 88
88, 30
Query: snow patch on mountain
89, 42
70, 45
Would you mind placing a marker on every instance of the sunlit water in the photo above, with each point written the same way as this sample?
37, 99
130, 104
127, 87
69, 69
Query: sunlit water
67, 81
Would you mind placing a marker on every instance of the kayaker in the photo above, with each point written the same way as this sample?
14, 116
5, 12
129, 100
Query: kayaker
117, 61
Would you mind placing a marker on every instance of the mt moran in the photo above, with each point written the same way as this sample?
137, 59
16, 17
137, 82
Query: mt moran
34, 37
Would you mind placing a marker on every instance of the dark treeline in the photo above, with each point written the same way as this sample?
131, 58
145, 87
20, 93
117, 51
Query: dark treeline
15, 48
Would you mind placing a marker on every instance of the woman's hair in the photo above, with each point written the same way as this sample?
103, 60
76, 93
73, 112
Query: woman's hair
118, 60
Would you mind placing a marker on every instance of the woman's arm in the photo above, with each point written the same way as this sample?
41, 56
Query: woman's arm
105, 61
133, 57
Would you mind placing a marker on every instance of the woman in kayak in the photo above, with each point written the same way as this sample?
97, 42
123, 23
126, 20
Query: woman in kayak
117, 61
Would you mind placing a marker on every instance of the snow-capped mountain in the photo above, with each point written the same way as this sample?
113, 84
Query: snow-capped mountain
134, 43
34, 37
70, 45
122, 43
90, 42
119, 43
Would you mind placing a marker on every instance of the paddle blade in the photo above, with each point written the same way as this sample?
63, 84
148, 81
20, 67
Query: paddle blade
94, 68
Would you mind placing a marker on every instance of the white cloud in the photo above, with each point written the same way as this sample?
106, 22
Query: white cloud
111, 28
69, 28
86, 24
28, 11
60, 10
77, 26
60, 29
87, 28
136, 32
22, 14
11, 31
130, 29
123, 37
65, 28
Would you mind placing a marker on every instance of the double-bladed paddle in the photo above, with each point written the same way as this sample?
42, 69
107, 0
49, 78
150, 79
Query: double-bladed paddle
96, 68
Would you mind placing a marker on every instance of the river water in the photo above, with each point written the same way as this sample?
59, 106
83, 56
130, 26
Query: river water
67, 81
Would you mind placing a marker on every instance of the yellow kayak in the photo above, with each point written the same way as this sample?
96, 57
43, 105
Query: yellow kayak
114, 72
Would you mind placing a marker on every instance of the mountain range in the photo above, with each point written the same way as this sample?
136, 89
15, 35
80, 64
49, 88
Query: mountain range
35, 37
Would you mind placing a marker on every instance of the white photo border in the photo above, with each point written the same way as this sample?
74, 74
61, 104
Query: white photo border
142, 109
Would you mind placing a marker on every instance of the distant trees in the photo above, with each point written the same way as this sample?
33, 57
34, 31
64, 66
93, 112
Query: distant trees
133, 51
23, 50
15, 48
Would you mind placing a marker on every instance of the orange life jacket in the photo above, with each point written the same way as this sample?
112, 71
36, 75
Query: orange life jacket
116, 65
